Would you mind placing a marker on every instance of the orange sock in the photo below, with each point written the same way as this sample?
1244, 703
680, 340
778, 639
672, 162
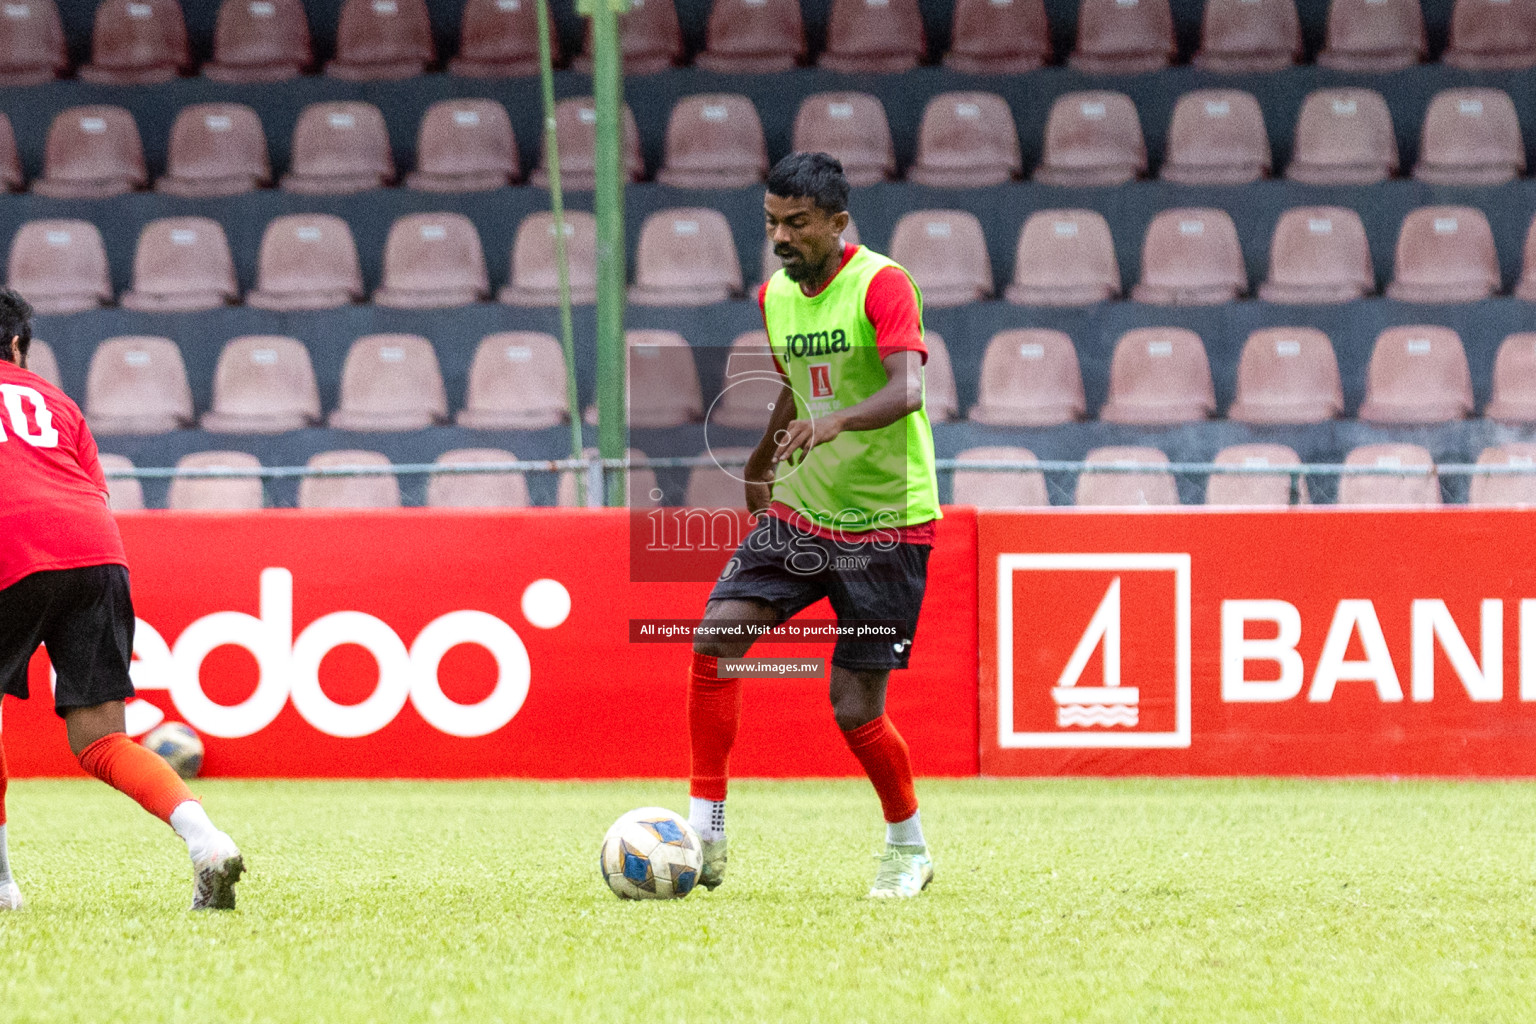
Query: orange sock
714, 711
137, 772
4, 781
883, 753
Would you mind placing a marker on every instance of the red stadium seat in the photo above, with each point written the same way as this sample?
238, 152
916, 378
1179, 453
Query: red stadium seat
339, 148
92, 153
1020, 488
264, 384
998, 37
639, 484
183, 264
217, 149
137, 385
1417, 374
686, 257
500, 39
516, 382
1470, 137
1508, 489
1445, 254
1492, 35
1526, 287
42, 361
1319, 254
1123, 37
307, 261
714, 141
391, 382
32, 38
1064, 258
1217, 137
137, 42
663, 381
1386, 488
1153, 487
477, 490
1374, 35
433, 261
260, 41
1249, 36
750, 37
1029, 378
60, 266
124, 494
1092, 138
945, 251
576, 133
940, 396
1343, 137
1191, 257
534, 279
750, 387
1254, 489
232, 494
852, 127
465, 146
376, 491
873, 36
383, 40
650, 39
967, 140
1287, 375
1159, 375
1514, 380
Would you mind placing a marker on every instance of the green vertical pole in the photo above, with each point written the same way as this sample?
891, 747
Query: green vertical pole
608, 98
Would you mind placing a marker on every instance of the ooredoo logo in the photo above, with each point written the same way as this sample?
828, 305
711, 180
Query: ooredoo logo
1093, 650
289, 666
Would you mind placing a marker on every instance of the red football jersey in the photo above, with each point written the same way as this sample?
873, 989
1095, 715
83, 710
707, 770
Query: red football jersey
53, 496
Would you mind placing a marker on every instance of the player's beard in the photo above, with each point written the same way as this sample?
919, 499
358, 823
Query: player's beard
796, 267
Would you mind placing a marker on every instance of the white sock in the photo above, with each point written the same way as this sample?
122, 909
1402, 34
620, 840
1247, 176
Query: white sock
5, 858
905, 833
707, 817
191, 822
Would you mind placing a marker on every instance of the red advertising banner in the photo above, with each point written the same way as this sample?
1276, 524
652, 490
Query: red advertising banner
429, 643
1303, 642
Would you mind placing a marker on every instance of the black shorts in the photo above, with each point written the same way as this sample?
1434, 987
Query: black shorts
790, 569
85, 617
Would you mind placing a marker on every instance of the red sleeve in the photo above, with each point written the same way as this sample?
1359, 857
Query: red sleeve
762, 307
891, 305
87, 455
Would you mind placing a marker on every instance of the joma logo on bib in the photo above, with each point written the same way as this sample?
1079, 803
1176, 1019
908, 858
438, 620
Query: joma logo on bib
817, 343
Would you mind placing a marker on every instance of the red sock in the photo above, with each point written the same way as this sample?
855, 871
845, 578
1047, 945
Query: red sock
4, 781
714, 711
136, 771
883, 753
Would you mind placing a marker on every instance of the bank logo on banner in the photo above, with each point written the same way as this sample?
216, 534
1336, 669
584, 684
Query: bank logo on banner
1093, 650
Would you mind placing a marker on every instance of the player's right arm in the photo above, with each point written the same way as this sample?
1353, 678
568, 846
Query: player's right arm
759, 469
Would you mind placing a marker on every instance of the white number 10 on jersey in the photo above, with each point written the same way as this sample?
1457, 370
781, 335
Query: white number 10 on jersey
12, 396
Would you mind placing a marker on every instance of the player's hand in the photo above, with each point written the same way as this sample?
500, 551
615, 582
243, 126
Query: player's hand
803, 435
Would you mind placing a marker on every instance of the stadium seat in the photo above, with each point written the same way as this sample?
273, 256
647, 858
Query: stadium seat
1123, 37
1505, 488
60, 266
1470, 137
1444, 254
1514, 380
390, 382
1092, 138
124, 494
1287, 375
663, 380
966, 140
32, 38
534, 278
770, 263
1020, 488
998, 37
217, 149
1064, 258
92, 152
1029, 378
137, 42
1492, 35
1343, 137
307, 261
375, 491
183, 264
1216, 137
1262, 489
714, 141
873, 37
465, 146
650, 39
576, 133
640, 490
1318, 254
1373, 35
232, 494
1249, 36
1159, 375
718, 486
852, 127
264, 384
753, 37
258, 41
1191, 257
945, 251
1417, 374
380, 40
477, 490
500, 39
433, 261
940, 396
1153, 487
686, 257
42, 361
750, 387
516, 382
137, 385
1525, 288
339, 148
1385, 488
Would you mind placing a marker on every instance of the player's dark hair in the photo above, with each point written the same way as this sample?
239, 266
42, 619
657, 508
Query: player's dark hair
814, 176
15, 322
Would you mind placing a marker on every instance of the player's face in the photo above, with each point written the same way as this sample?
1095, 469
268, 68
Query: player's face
804, 236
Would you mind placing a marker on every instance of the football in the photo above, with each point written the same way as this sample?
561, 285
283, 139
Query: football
651, 854
179, 745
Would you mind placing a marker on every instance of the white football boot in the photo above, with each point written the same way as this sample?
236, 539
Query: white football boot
214, 874
713, 871
905, 871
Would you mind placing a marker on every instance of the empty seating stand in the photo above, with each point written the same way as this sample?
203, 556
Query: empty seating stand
1470, 137
1444, 254
307, 261
1064, 258
945, 251
500, 39
1417, 374
686, 257
1022, 488
433, 261
714, 141
477, 490
852, 127
1159, 375
1217, 137
650, 38
1249, 36
1510, 489
1255, 488
576, 133
216, 493
1153, 486
375, 491
32, 37
183, 264
92, 152
1373, 35
1343, 137
216, 149
1287, 375
1029, 378
260, 41
1191, 257
137, 42
1386, 488
873, 36
137, 385
465, 146
339, 148
1492, 35
967, 140
60, 266
998, 37
516, 382
1092, 138
1123, 37
383, 39
263, 384
1318, 254
753, 37
1514, 380
391, 382
534, 277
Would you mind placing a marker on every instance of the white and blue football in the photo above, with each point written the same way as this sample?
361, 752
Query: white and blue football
651, 854
179, 745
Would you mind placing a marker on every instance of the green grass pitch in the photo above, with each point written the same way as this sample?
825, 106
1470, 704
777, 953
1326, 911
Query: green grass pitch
1114, 902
